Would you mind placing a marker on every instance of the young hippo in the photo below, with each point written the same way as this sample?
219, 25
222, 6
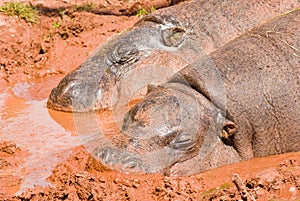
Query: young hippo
240, 103
162, 43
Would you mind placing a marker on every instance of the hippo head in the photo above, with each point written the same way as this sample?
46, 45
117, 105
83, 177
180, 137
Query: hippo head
90, 86
174, 131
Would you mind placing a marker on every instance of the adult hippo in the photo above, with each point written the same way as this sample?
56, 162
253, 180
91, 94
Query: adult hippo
183, 127
164, 42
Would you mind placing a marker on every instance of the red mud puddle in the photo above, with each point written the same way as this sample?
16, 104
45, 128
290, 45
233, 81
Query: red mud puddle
27, 123
46, 137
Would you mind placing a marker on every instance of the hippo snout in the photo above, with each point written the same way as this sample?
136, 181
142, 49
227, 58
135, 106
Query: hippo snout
118, 159
75, 96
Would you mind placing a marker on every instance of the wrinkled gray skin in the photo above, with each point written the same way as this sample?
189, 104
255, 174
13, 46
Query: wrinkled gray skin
183, 30
180, 128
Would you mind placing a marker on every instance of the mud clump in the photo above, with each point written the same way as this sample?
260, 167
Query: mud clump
8, 151
111, 7
11, 157
280, 182
83, 178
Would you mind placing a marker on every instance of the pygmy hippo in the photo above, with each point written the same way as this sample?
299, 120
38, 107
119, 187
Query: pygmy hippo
183, 127
163, 43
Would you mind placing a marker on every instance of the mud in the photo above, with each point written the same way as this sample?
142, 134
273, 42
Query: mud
38, 152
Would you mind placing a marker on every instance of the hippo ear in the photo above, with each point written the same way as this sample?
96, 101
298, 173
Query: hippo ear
150, 87
172, 36
228, 132
172, 33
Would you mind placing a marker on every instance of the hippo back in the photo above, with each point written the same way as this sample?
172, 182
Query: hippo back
261, 71
215, 22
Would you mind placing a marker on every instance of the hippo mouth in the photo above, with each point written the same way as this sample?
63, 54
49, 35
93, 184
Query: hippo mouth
118, 160
164, 160
154, 162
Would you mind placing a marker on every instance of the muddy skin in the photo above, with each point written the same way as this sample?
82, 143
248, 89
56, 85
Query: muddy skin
160, 132
181, 128
175, 33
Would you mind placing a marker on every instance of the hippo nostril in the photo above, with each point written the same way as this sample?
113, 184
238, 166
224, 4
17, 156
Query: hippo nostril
131, 163
104, 155
117, 159
75, 88
182, 144
69, 87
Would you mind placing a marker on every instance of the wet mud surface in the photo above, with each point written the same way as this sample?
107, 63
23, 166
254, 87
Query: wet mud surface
41, 154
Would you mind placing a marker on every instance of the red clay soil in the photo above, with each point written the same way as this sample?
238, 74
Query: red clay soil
42, 53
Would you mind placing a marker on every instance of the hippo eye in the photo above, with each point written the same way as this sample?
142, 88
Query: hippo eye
183, 142
120, 58
122, 53
172, 37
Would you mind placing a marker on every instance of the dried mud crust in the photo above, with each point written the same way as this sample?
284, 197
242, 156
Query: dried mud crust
83, 178
113, 7
11, 157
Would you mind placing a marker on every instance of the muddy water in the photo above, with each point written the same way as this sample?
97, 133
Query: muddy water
48, 136
27, 123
